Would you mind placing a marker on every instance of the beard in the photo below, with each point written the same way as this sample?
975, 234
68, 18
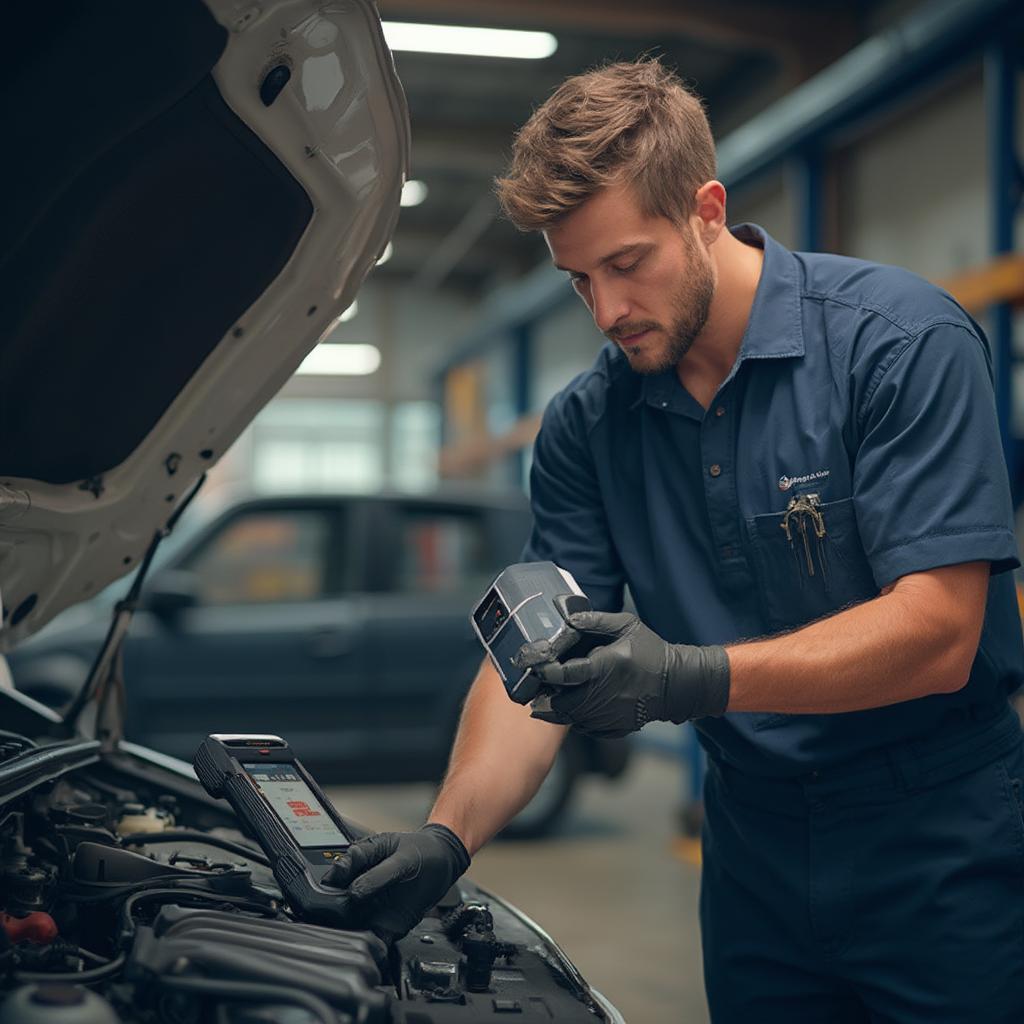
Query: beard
690, 307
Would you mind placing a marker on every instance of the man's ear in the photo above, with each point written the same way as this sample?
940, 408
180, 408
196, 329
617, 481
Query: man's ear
709, 211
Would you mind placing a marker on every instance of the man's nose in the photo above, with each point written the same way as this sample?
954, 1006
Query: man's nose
608, 305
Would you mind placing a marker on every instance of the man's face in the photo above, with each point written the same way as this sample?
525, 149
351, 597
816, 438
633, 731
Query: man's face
646, 281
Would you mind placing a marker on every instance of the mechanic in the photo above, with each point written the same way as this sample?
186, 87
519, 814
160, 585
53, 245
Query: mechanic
793, 461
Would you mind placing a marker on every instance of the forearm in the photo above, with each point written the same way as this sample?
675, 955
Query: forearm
498, 761
893, 648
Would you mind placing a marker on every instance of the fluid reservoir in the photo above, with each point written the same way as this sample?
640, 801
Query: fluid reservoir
56, 1004
135, 819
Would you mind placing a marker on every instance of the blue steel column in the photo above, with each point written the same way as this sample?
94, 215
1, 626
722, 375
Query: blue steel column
440, 387
805, 174
1005, 182
523, 393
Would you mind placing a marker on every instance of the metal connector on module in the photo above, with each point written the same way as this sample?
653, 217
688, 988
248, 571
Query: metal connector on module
526, 604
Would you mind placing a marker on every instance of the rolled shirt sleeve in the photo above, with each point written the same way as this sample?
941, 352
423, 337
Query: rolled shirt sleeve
930, 481
570, 527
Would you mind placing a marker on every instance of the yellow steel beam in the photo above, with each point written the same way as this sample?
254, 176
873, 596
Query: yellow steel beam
997, 282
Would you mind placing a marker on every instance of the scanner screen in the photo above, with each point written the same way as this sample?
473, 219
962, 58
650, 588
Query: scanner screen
296, 805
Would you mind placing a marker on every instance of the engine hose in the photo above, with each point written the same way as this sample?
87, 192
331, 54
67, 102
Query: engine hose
249, 991
100, 892
188, 835
95, 958
128, 926
7, 735
77, 977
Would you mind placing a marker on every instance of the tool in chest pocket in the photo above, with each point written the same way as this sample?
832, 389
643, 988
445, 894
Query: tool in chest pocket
804, 516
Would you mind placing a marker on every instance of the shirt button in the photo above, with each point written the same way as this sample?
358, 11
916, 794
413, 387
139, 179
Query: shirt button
715, 470
720, 411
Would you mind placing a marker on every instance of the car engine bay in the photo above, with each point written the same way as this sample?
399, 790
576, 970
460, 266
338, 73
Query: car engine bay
129, 895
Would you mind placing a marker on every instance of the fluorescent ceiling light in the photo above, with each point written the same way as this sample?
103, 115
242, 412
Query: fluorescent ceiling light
341, 361
469, 42
386, 254
347, 315
413, 192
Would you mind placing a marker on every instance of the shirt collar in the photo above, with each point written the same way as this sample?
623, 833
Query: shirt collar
775, 327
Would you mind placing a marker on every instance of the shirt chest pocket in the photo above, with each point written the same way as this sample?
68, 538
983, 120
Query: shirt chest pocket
809, 561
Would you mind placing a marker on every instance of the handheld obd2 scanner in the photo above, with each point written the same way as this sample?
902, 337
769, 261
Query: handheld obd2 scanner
280, 804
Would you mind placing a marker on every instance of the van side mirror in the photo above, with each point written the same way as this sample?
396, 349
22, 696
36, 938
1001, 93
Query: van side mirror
170, 593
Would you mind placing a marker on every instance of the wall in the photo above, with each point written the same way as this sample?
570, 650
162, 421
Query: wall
769, 203
915, 192
564, 344
356, 433
414, 330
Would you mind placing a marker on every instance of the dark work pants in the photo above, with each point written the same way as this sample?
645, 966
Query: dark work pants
893, 892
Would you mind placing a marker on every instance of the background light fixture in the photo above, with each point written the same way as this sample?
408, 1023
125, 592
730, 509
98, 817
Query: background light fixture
341, 360
469, 42
413, 192
386, 254
348, 314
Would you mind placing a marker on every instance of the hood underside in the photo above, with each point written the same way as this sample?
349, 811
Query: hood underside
198, 190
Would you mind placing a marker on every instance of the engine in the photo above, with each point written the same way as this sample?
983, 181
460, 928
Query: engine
130, 899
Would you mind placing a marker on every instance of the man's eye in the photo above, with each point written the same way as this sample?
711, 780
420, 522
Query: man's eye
627, 270
577, 278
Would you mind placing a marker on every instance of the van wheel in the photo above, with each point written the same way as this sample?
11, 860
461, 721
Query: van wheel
549, 805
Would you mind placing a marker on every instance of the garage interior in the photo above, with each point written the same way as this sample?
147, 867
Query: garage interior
886, 131
889, 130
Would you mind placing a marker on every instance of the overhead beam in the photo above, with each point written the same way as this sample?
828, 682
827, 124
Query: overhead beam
931, 40
414, 246
468, 148
417, 250
432, 155
812, 38
457, 243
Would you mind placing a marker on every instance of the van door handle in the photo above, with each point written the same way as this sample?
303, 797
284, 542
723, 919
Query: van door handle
331, 642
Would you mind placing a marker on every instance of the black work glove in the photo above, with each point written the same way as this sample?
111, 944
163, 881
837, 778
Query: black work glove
634, 678
394, 878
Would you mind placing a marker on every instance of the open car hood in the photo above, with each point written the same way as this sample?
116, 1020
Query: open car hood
199, 190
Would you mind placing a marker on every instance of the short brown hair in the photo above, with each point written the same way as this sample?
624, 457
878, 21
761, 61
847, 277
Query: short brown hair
630, 122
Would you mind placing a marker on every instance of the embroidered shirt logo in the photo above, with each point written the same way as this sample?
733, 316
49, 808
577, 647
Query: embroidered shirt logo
786, 482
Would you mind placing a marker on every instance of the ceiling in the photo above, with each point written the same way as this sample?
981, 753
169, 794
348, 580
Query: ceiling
740, 55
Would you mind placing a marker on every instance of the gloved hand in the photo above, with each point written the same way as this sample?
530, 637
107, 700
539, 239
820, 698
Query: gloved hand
634, 678
394, 878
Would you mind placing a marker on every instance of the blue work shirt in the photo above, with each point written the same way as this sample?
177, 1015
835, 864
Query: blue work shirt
858, 383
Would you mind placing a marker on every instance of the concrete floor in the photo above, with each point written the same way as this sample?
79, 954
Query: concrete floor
612, 887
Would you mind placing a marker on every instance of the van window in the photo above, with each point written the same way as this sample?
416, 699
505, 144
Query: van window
264, 556
441, 552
